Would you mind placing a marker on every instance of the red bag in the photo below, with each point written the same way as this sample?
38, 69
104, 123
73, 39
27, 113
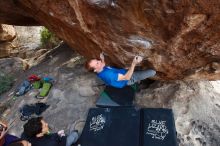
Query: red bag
33, 78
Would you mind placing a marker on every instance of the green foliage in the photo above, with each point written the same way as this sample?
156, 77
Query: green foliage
48, 39
6, 82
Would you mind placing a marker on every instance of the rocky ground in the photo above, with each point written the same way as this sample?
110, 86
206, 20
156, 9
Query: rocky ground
196, 105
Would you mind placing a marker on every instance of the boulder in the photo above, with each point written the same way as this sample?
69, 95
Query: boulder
7, 32
179, 39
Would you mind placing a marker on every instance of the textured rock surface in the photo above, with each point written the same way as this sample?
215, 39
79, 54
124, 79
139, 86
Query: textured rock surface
19, 41
5, 49
180, 39
7, 34
196, 105
27, 41
13, 65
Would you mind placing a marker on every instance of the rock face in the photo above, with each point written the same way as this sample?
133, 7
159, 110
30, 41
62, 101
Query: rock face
27, 41
19, 41
7, 34
179, 39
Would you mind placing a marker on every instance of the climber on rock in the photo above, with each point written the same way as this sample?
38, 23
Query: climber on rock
118, 77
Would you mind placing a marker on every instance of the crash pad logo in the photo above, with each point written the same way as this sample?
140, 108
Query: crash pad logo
157, 129
97, 123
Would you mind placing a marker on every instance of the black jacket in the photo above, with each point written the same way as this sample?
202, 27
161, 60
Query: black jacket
49, 140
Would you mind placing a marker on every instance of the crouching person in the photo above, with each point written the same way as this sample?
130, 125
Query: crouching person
37, 131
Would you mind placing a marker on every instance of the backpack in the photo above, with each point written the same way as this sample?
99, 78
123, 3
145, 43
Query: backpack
23, 88
37, 84
33, 78
45, 89
48, 79
29, 110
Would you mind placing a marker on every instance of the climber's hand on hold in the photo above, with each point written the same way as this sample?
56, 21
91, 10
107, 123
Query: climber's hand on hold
102, 57
137, 59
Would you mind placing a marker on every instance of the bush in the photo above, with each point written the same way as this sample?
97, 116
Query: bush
6, 82
48, 39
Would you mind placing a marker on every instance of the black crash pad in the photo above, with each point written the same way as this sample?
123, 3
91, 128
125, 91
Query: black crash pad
129, 127
158, 127
112, 97
111, 127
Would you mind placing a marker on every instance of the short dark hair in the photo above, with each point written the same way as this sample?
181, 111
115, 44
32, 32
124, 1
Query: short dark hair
33, 127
